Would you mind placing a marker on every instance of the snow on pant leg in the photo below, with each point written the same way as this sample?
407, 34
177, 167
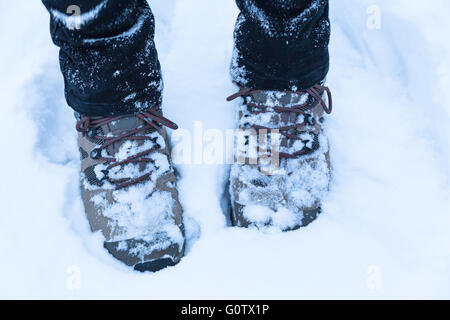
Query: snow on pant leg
107, 54
281, 44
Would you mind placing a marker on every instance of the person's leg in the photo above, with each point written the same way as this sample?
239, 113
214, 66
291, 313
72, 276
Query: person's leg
281, 44
113, 80
108, 56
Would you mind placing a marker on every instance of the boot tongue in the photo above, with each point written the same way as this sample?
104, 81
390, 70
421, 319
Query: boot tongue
122, 125
278, 98
118, 127
280, 119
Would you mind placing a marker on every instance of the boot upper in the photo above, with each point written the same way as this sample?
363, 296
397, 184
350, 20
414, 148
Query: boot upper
289, 174
128, 185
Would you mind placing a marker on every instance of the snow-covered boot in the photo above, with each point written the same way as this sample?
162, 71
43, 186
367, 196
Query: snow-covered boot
281, 185
129, 188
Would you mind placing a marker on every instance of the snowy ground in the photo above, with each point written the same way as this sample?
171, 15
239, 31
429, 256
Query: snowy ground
385, 228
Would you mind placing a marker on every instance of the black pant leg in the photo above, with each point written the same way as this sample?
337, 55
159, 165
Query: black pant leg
107, 56
281, 44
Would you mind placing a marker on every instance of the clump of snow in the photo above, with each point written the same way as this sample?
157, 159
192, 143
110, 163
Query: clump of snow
136, 215
267, 219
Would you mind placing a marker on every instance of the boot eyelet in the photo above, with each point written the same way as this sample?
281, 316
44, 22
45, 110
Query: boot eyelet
105, 175
95, 154
311, 121
91, 133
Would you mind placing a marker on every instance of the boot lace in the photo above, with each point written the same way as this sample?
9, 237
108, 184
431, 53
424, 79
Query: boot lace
314, 92
152, 121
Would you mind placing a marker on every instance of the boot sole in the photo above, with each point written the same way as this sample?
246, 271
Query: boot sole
156, 261
154, 265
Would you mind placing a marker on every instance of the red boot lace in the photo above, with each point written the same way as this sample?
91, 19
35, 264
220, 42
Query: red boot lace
315, 92
152, 120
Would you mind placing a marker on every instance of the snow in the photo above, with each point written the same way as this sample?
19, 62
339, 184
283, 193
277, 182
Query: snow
384, 230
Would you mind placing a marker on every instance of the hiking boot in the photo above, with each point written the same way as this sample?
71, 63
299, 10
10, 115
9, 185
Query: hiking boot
281, 184
128, 187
